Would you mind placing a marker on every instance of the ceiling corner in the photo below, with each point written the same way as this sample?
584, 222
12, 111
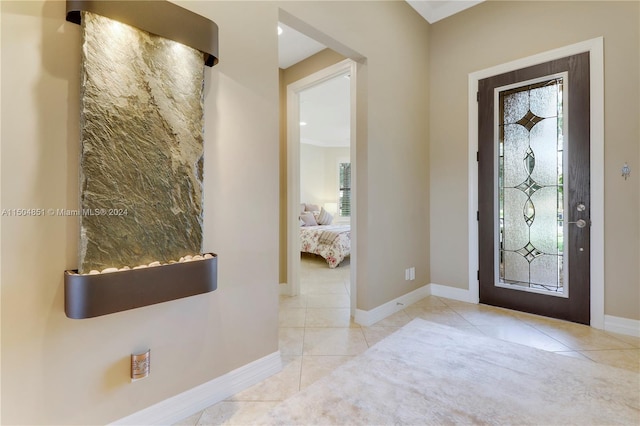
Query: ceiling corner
435, 10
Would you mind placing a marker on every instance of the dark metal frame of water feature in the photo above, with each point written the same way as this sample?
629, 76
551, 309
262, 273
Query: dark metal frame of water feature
87, 296
162, 18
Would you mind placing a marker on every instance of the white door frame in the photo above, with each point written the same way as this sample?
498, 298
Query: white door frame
293, 170
595, 47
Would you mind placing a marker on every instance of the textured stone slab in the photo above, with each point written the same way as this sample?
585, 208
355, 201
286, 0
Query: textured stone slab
142, 147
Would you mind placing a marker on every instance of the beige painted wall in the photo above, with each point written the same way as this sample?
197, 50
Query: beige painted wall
319, 173
61, 371
496, 32
312, 64
312, 174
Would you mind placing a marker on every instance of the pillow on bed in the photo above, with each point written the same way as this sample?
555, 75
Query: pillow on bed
308, 219
324, 218
312, 208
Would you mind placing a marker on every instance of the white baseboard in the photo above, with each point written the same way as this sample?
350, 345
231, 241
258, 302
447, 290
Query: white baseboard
621, 325
187, 403
454, 293
367, 318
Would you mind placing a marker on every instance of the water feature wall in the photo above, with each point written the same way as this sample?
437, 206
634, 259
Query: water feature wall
142, 125
142, 148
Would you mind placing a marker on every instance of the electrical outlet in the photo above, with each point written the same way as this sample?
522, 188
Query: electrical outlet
410, 274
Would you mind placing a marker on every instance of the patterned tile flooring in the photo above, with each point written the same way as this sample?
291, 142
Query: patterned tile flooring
317, 335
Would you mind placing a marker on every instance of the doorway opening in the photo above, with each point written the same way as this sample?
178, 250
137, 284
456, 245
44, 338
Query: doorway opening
332, 189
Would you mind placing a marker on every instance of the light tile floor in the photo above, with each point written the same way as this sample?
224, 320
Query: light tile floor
317, 335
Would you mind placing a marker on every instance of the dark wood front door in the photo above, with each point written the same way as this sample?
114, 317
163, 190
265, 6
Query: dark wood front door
534, 194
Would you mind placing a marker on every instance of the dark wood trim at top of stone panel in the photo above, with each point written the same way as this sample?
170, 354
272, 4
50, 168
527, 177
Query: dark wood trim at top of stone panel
161, 18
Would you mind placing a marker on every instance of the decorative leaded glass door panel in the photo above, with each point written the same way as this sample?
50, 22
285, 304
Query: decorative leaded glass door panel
534, 189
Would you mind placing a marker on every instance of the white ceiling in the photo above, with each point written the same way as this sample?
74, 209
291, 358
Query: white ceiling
435, 10
325, 107
294, 46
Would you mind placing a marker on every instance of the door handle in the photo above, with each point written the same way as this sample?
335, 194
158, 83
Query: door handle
580, 223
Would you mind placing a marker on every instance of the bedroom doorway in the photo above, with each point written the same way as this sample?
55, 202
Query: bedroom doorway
319, 129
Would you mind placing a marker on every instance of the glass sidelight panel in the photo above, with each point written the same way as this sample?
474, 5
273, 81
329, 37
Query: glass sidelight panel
530, 191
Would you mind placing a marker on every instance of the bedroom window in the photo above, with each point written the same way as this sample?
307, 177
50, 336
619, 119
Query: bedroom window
344, 198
